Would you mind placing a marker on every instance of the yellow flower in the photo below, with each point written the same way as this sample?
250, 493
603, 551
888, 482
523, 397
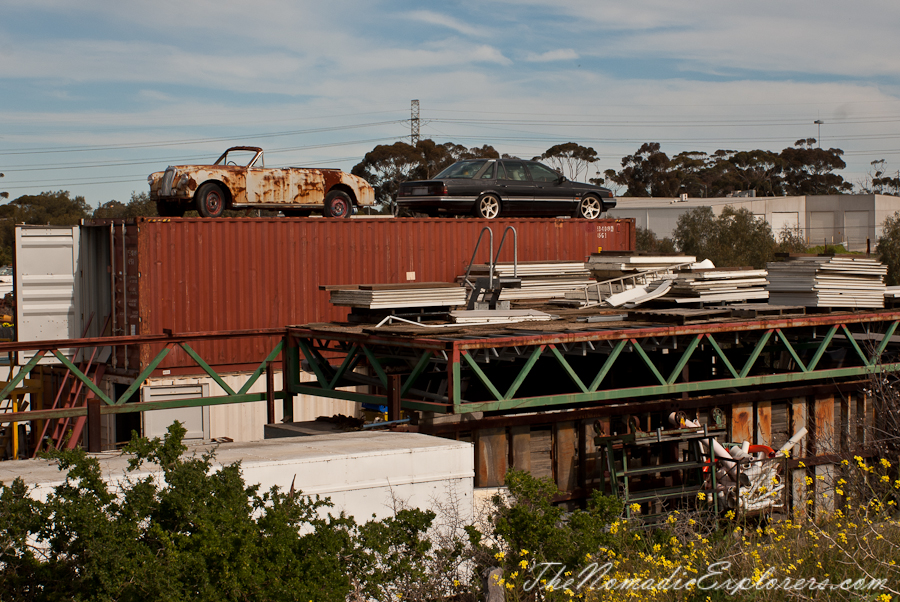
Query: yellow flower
701, 496
885, 598
523, 552
523, 564
499, 555
549, 588
509, 586
885, 479
729, 515
456, 583
885, 463
636, 508
801, 465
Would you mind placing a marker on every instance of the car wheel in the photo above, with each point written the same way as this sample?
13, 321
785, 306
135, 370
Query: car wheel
170, 209
590, 207
337, 204
487, 207
210, 200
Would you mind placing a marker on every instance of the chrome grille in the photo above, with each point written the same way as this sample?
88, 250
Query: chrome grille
167, 182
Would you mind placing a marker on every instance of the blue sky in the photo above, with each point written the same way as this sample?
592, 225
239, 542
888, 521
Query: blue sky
95, 95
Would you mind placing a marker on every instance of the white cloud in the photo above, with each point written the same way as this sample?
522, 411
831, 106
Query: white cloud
433, 18
563, 54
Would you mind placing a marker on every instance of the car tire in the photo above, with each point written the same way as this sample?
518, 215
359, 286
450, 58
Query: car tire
487, 207
170, 209
590, 207
210, 200
337, 204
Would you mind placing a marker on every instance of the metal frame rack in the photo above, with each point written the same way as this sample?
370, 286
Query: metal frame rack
696, 460
508, 370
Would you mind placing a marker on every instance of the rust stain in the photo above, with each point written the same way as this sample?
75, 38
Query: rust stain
741, 423
764, 423
824, 414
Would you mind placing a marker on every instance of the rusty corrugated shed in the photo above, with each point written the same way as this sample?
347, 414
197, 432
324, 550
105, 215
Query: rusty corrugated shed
204, 275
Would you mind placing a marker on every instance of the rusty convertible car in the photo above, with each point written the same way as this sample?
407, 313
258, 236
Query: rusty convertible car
240, 180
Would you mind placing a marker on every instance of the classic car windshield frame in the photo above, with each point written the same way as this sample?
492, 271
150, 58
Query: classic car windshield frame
238, 150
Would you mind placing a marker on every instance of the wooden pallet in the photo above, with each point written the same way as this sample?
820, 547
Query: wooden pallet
754, 310
680, 315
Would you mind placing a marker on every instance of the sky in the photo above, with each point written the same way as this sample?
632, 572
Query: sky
95, 95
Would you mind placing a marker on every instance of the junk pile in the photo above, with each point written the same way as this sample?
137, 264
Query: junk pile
827, 281
748, 476
539, 279
704, 284
671, 282
605, 266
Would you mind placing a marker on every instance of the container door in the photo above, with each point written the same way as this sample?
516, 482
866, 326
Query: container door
195, 420
46, 274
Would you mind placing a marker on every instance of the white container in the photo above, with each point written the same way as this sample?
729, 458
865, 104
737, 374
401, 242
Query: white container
364, 473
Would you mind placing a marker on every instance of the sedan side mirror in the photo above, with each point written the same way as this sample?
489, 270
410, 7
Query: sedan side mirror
561, 179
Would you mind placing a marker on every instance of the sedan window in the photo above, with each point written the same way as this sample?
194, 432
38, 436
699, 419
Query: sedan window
542, 173
515, 170
489, 172
462, 170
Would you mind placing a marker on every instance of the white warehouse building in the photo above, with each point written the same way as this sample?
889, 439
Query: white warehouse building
851, 219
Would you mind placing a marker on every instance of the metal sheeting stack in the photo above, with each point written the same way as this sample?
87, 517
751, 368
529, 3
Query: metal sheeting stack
391, 296
606, 266
718, 285
836, 281
540, 279
496, 316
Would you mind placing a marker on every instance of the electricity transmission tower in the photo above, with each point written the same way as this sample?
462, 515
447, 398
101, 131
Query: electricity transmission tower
414, 122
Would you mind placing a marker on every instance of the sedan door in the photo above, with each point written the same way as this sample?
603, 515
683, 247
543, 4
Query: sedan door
552, 194
514, 183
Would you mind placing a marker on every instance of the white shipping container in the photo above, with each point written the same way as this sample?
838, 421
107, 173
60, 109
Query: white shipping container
364, 473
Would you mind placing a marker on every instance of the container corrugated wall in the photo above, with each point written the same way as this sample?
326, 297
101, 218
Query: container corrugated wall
204, 275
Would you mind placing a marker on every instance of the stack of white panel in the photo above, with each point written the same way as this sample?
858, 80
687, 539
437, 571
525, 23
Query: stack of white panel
540, 279
718, 285
605, 266
838, 281
391, 296
496, 316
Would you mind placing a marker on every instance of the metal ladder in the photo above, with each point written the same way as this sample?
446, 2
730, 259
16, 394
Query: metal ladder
488, 288
594, 292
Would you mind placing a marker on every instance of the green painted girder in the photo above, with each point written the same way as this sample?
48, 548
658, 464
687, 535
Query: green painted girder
136, 407
144, 376
259, 370
632, 393
462, 360
23, 372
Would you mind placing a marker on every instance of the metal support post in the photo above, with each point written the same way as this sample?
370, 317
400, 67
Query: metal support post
270, 394
93, 424
393, 394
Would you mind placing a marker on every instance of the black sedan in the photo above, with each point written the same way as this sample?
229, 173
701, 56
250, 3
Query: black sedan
493, 187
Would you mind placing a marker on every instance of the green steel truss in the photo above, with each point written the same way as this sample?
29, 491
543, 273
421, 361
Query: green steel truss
543, 370
120, 405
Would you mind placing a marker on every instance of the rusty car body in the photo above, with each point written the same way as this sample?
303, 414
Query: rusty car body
240, 180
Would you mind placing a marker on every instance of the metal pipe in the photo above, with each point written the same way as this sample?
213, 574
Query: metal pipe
387, 423
475, 252
515, 250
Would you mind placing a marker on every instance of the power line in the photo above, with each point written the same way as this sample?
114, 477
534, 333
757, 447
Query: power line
193, 141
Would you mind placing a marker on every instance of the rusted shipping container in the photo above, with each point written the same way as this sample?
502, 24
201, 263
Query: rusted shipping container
200, 275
